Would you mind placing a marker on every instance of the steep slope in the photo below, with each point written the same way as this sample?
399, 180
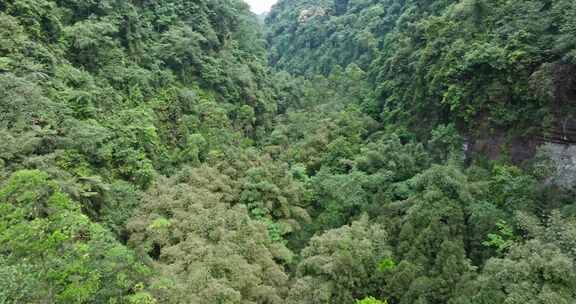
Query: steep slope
498, 70
149, 154
103, 97
457, 91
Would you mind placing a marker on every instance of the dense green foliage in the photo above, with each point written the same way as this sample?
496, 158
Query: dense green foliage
52, 253
206, 250
488, 66
149, 153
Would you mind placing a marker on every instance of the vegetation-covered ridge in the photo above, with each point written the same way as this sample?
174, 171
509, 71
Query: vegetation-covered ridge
501, 71
348, 152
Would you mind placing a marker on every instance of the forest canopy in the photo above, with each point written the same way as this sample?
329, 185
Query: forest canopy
339, 152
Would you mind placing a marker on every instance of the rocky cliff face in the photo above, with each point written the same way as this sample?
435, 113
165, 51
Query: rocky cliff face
562, 160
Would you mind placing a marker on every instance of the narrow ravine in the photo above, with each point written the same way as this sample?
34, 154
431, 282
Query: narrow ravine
325, 152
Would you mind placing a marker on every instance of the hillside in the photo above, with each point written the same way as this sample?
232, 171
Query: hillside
339, 152
500, 71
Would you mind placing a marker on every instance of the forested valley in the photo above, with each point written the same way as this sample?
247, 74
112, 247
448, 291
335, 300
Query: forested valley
338, 152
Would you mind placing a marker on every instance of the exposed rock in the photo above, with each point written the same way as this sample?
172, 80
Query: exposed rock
516, 149
307, 14
563, 161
